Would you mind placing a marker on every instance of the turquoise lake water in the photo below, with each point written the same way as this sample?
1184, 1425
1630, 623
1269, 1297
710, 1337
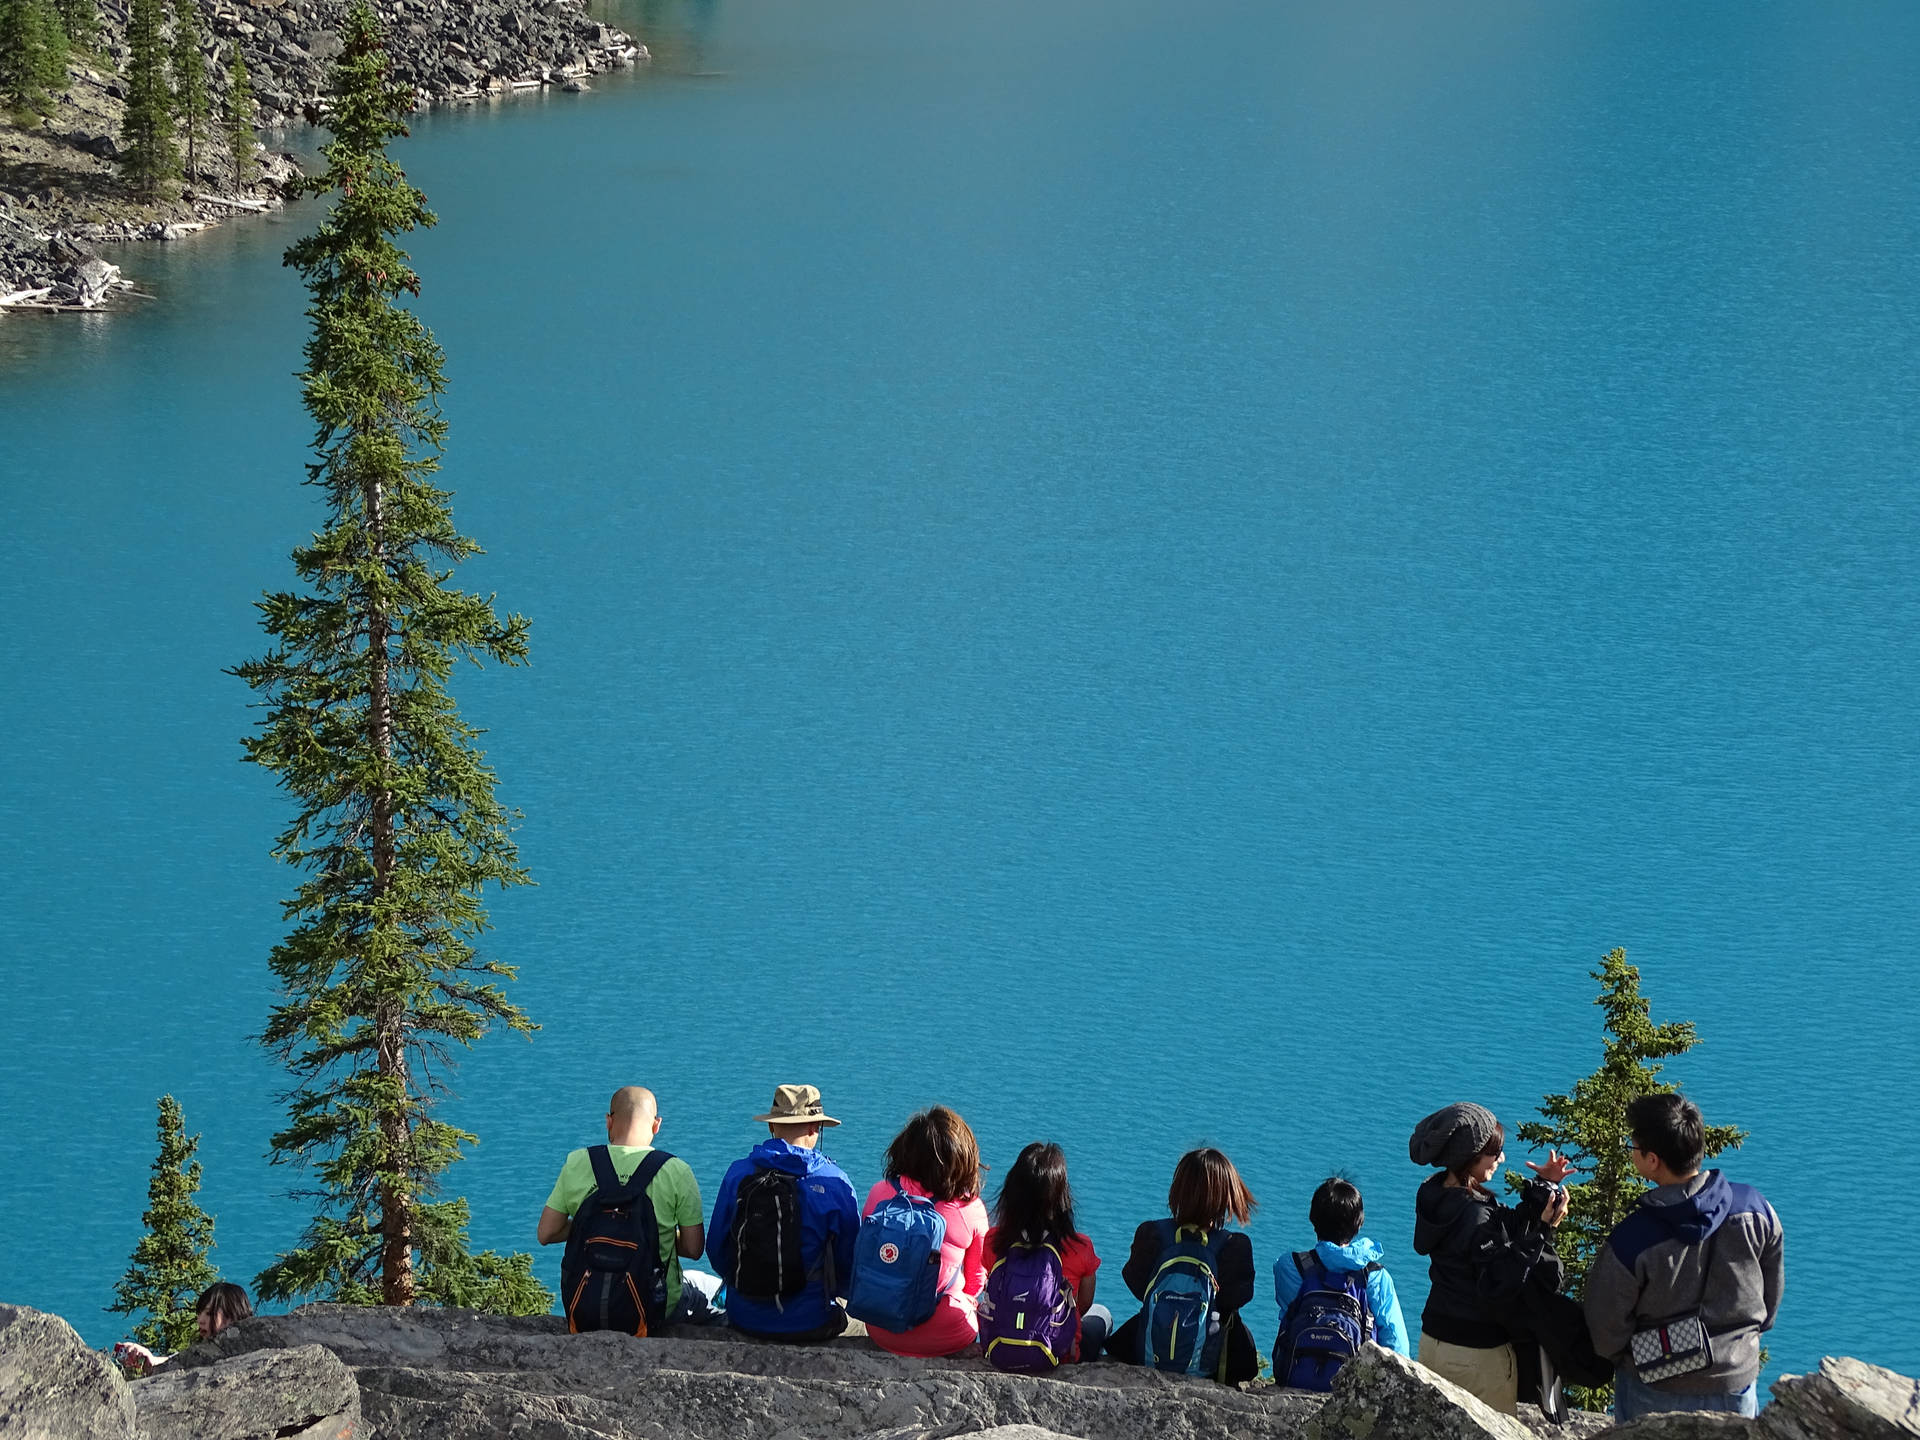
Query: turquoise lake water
1161, 574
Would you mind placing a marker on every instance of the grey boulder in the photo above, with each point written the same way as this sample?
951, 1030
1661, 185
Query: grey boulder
53, 1387
1379, 1395
1684, 1425
304, 1392
1843, 1400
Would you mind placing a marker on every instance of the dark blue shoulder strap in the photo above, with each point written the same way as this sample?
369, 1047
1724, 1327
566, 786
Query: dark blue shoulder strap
648, 1168
605, 1178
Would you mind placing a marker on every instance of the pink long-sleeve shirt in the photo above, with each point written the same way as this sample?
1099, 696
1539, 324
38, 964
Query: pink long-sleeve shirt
963, 1271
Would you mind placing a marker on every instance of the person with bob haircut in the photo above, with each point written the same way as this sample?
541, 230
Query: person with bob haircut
1482, 1253
936, 1157
1206, 1193
1337, 1213
220, 1305
1035, 1207
1697, 1245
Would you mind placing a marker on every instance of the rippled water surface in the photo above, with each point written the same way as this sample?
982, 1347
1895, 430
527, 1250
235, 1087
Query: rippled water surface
1158, 573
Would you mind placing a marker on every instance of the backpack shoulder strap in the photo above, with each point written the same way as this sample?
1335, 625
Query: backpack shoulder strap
1306, 1262
605, 1178
648, 1168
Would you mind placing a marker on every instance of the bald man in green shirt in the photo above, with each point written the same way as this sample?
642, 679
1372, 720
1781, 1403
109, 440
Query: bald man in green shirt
633, 1119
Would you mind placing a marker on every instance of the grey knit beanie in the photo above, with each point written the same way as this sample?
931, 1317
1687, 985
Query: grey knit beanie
1452, 1135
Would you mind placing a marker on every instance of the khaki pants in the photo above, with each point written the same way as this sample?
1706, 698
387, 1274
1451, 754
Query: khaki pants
1490, 1376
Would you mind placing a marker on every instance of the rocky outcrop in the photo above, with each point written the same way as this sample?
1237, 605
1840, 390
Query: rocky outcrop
452, 1375
340, 1373
1843, 1398
300, 1394
1383, 1396
52, 1387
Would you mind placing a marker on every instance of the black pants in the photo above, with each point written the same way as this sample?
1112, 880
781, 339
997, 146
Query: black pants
1243, 1359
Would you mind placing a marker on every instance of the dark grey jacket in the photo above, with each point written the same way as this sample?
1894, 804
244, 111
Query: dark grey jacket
1651, 1270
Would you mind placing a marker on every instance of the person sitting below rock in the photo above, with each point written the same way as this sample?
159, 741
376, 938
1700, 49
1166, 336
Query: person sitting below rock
1690, 1280
912, 1305
629, 1213
1192, 1275
1034, 1250
221, 1304
1335, 1297
1482, 1253
783, 1227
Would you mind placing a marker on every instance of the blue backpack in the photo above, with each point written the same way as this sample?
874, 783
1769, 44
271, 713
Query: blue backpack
1180, 1329
896, 1263
1324, 1327
1028, 1318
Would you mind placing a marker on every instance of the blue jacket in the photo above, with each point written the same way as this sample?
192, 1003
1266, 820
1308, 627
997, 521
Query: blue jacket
829, 1215
1389, 1326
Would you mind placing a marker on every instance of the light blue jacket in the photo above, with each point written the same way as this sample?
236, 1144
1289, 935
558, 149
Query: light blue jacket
1389, 1325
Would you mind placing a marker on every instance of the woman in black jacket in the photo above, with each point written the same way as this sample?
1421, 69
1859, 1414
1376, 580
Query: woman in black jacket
1206, 1193
1485, 1256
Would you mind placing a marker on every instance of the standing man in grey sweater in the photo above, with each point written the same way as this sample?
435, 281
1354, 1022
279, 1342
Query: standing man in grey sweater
1687, 1283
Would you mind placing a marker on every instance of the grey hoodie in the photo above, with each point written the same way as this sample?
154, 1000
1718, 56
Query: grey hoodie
1651, 1270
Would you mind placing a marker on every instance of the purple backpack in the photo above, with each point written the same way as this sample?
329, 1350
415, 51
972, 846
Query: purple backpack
1028, 1320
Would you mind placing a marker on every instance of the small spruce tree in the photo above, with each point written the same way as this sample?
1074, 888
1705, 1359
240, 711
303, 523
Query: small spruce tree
240, 136
169, 1268
1590, 1124
397, 826
81, 20
148, 158
189, 82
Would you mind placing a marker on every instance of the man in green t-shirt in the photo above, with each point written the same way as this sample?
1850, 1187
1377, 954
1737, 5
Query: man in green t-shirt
633, 1119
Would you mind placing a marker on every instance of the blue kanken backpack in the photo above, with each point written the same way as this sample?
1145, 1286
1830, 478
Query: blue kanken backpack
1324, 1327
1179, 1330
896, 1263
1028, 1319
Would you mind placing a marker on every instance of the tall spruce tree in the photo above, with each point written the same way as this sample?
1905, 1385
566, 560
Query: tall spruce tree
148, 158
1590, 1123
397, 826
33, 53
189, 82
169, 1267
240, 136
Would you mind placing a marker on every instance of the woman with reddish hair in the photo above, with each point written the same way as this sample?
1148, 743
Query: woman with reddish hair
935, 1157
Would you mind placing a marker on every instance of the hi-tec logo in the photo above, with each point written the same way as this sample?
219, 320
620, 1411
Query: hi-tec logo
889, 1252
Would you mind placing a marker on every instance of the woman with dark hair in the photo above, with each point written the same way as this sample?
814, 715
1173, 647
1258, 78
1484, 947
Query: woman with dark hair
221, 1304
1035, 1207
1483, 1254
935, 1157
1206, 1194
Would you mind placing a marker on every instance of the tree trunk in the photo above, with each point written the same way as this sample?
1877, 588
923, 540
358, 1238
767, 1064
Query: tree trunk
390, 1022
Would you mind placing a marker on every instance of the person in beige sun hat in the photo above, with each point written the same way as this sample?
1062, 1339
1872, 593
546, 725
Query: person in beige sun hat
783, 1226
795, 1108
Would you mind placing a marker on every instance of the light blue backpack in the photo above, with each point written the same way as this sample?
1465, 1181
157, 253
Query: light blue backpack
896, 1263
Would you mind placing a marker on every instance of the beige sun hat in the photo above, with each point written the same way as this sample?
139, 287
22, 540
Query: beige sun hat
797, 1105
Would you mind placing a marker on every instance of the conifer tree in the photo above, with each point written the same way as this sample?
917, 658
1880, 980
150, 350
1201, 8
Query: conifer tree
240, 136
148, 157
1590, 1123
397, 827
81, 21
189, 81
169, 1268
33, 53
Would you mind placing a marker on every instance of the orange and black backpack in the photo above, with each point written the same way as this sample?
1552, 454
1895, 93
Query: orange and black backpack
612, 1276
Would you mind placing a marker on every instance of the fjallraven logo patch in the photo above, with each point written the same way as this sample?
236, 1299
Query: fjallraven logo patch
889, 1252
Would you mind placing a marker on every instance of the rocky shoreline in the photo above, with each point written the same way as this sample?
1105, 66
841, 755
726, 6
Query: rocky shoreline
350, 1373
60, 191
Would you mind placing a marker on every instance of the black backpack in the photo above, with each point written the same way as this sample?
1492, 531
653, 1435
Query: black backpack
765, 1238
612, 1276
